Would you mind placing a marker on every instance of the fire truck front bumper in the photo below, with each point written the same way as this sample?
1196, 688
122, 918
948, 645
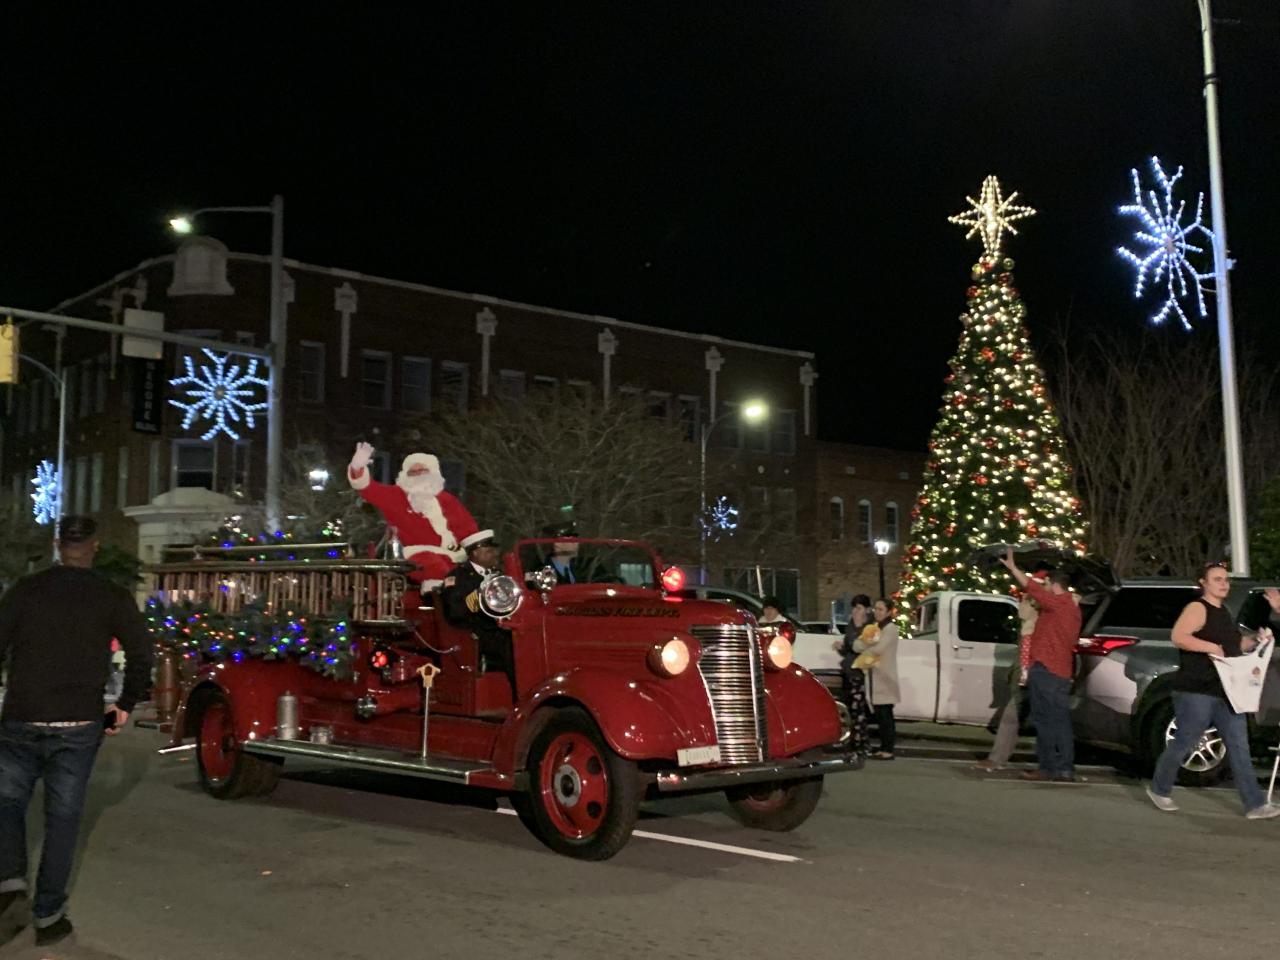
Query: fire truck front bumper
815, 763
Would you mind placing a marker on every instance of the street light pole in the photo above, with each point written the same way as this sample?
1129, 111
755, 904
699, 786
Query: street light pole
1226, 340
275, 389
882, 548
752, 411
184, 224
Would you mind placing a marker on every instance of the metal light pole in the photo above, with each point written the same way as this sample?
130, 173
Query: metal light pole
882, 548
753, 411
276, 349
1226, 340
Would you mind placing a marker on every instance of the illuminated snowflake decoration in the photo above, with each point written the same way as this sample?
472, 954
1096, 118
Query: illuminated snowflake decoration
721, 519
220, 395
991, 215
1166, 239
48, 488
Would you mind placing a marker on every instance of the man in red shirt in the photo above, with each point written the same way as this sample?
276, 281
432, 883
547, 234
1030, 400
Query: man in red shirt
1053, 646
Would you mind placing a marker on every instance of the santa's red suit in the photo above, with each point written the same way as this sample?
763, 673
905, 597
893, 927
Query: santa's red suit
429, 520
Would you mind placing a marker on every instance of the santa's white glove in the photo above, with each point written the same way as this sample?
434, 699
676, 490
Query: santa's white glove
362, 457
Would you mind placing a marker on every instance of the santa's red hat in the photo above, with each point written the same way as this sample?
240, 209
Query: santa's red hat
427, 460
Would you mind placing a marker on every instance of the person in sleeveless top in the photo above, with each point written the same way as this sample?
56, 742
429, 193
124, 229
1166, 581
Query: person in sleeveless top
1206, 629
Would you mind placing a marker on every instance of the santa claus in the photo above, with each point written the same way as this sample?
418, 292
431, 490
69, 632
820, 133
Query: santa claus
429, 520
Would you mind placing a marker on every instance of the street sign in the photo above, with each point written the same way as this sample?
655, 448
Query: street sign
147, 386
143, 347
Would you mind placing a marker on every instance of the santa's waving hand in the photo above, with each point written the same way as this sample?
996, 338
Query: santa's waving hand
429, 520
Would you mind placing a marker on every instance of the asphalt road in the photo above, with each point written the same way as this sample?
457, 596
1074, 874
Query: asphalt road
915, 858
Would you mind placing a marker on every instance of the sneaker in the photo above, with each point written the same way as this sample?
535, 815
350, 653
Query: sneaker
55, 932
987, 766
1264, 812
1037, 776
1163, 803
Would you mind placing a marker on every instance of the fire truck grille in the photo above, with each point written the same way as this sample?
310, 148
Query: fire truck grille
734, 677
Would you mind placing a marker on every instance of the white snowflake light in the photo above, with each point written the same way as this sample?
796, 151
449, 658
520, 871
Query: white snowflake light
1164, 235
219, 395
48, 488
991, 215
721, 518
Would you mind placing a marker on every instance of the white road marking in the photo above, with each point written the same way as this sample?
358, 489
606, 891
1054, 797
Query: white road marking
704, 844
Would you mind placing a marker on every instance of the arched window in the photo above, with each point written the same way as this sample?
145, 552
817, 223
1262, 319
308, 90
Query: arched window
864, 521
837, 519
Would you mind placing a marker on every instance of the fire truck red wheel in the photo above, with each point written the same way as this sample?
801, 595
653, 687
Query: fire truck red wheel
775, 806
226, 771
583, 798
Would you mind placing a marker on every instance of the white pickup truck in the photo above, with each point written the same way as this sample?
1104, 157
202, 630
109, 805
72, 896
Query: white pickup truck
955, 666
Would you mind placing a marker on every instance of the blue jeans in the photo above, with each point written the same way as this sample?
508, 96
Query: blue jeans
1051, 714
1196, 713
63, 757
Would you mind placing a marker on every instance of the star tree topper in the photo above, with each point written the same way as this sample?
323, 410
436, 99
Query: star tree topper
991, 215
219, 395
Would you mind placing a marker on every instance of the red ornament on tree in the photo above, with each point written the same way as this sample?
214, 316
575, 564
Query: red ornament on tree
1008, 404
981, 479
971, 293
1032, 530
990, 443
987, 354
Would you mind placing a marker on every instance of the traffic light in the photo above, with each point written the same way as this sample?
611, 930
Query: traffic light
8, 352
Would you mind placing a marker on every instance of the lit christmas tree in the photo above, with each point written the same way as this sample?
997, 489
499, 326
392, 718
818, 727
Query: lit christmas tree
997, 469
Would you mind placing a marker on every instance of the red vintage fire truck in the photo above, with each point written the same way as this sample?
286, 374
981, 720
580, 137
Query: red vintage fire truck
624, 691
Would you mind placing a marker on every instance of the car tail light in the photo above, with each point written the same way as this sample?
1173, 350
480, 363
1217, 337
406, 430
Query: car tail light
1103, 644
673, 579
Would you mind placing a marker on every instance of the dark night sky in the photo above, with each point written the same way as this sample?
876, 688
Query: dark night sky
778, 172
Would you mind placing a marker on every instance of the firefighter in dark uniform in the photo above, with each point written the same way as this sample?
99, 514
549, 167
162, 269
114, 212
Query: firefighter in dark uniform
460, 599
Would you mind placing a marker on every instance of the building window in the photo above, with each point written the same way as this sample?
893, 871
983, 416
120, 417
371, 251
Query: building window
784, 503
375, 379
415, 384
510, 384
688, 414
122, 477
453, 385
756, 435
193, 464
80, 490
380, 468
100, 384
240, 456
864, 521
757, 507
658, 406
891, 522
837, 519
454, 473
96, 466
311, 366
153, 470
782, 424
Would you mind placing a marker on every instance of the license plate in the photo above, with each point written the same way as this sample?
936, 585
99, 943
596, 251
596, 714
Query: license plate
693, 756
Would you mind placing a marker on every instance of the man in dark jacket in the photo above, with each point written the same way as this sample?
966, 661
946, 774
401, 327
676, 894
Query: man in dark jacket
56, 627
460, 598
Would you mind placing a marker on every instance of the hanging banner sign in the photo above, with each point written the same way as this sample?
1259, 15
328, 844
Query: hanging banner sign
148, 385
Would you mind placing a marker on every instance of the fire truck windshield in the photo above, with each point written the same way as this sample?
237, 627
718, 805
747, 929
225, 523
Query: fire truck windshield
585, 561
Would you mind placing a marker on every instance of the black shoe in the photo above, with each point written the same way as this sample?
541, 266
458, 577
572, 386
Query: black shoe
55, 932
13, 914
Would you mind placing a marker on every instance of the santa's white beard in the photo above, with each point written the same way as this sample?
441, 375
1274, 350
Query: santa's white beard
422, 491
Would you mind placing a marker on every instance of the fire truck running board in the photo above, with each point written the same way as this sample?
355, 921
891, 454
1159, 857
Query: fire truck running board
371, 758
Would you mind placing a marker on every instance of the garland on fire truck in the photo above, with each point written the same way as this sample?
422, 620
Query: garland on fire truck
320, 642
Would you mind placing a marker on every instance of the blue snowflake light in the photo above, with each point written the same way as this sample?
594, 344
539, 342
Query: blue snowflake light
48, 488
721, 519
1166, 240
219, 395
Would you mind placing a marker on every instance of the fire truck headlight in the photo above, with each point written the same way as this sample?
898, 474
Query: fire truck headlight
500, 595
669, 659
778, 653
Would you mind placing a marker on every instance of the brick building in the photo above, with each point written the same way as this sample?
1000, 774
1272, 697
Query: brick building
364, 352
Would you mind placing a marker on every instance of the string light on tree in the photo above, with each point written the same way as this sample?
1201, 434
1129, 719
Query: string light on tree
219, 395
991, 215
48, 489
1163, 233
997, 469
